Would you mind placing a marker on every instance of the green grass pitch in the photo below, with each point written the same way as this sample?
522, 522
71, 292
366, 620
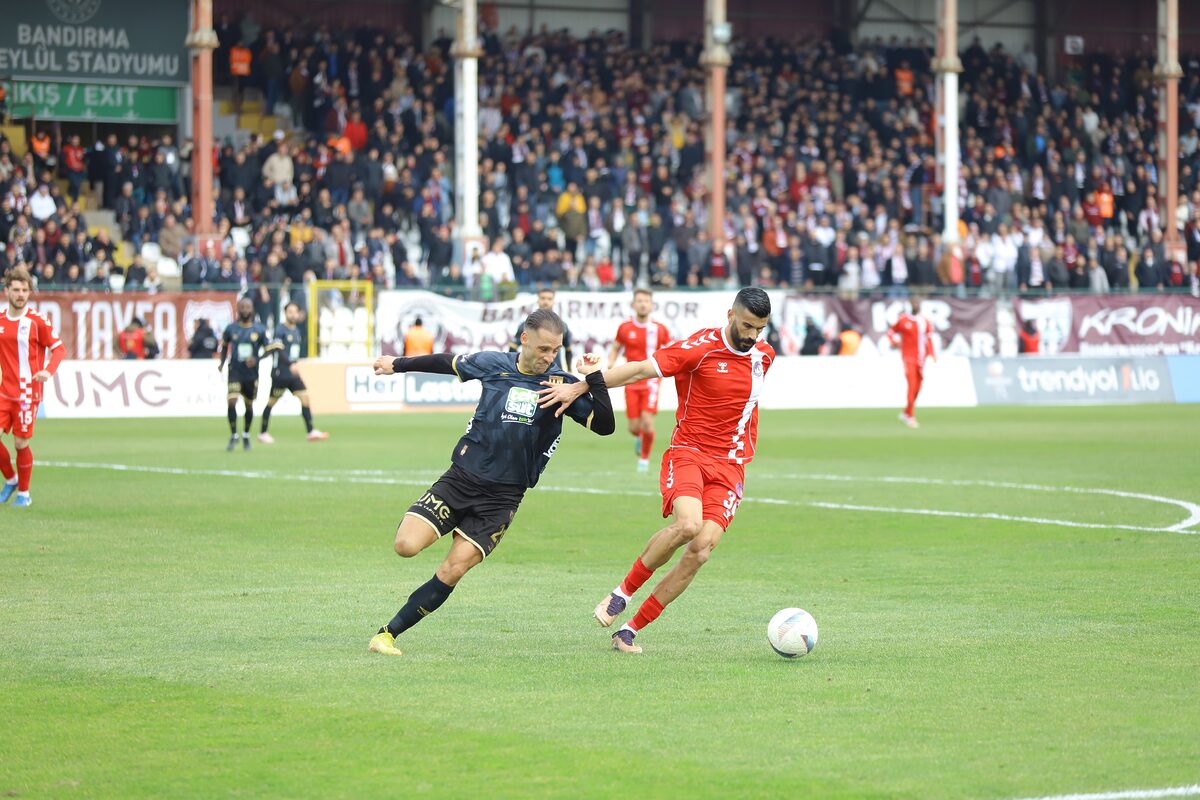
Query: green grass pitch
197, 627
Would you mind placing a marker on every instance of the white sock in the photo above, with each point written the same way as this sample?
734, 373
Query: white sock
626, 627
22, 494
617, 591
11, 481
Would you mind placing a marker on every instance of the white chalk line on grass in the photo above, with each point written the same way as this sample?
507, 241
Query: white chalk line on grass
383, 478
1130, 794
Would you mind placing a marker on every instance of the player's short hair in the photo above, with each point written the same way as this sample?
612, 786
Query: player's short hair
754, 300
547, 290
545, 320
18, 275
644, 291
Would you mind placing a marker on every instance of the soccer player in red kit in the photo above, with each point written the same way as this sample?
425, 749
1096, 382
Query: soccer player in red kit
639, 337
719, 375
30, 352
913, 334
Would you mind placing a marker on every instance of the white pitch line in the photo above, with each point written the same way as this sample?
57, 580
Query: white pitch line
1193, 509
1130, 794
379, 477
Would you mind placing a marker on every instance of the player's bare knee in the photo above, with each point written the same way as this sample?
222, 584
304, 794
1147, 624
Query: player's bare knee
406, 545
687, 529
20, 443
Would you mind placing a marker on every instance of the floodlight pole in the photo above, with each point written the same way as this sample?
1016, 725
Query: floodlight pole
947, 66
1168, 72
466, 53
716, 59
202, 41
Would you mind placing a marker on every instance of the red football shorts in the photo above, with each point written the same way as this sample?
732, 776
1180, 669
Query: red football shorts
17, 418
717, 483
642, 397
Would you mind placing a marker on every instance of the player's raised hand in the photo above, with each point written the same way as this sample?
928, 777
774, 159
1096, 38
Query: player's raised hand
587, 364
561, 394
383, 366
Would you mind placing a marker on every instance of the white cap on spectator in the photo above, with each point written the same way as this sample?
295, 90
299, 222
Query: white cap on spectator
278, 135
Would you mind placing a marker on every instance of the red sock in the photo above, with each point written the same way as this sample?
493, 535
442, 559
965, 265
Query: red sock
647, 443
6, 467
24, 468
638, 575
646, 614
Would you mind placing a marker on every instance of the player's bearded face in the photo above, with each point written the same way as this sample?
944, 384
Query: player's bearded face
245, 312
538, 350
18, 295
744, 329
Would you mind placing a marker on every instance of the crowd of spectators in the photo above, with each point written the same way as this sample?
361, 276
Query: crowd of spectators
592, 172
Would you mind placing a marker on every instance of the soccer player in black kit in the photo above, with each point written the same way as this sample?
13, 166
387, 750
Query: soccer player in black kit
507, 444
285, 375
242, 345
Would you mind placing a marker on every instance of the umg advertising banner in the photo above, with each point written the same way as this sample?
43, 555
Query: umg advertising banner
100, 42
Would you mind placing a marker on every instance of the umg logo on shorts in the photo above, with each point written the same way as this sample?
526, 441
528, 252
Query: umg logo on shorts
520, 405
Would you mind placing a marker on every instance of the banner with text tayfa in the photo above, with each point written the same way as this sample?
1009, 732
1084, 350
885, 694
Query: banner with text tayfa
105, 41
458, 326
88, 324
1066, 380
960, 327
86, 102
1116, 325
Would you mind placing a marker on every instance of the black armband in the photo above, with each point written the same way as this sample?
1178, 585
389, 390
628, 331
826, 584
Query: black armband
438, 363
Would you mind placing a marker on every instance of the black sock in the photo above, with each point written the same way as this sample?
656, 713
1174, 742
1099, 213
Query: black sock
266, 418
424, 601
232, 421
306, 412
249, 417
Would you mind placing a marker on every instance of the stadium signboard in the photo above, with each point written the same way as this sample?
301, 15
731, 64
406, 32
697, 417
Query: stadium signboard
1118, 325
100, 41
960, 327
462, 326
1067, 380
88, 323
86, 102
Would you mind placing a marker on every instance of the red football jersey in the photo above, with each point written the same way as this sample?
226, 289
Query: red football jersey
641, 341
915, 335
27, 345
718, 390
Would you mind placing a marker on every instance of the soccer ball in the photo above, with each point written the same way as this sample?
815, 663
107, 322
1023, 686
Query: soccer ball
792, 633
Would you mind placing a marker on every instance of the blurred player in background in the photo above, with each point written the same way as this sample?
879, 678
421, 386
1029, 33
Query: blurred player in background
545, 302
508, 443
913, 334
719, 375
30, 352
242, 345
285, 374
639, 337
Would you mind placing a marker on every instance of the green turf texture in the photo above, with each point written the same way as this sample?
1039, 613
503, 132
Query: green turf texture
204, 635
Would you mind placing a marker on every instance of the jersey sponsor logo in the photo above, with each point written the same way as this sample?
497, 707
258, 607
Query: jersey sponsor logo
553, 448
520, 405
436, 506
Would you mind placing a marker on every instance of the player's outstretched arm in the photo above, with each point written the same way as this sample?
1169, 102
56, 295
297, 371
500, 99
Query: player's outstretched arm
563, 395
438, 363
602, 420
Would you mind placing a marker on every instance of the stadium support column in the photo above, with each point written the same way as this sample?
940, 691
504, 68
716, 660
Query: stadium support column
947, 66
466, 53
202, 41
1168, 72
717, 35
